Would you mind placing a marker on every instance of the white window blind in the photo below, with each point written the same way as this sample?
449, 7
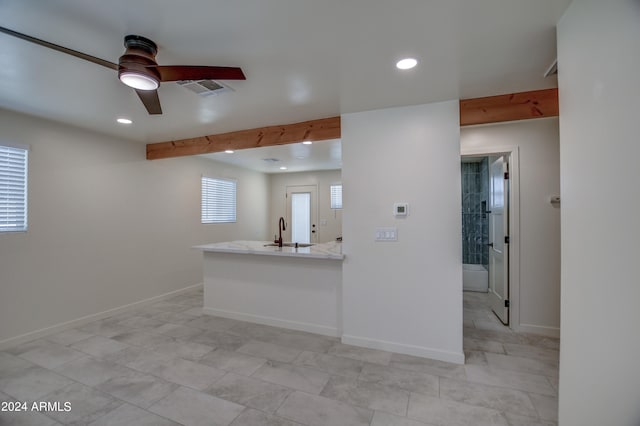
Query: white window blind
13, 189
218, 200
336, 196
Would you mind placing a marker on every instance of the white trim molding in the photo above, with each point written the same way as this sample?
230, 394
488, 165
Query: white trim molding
78, 322
420, 351
540, 329
275, 322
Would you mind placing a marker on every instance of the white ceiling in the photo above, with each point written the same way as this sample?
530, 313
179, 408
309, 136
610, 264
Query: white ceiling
297, 157
303, 59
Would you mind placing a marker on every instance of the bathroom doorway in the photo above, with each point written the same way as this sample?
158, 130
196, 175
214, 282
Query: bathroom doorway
490, 229
475, 223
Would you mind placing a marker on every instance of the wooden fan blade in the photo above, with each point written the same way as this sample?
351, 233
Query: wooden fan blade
194, 72
62, 49
150, 100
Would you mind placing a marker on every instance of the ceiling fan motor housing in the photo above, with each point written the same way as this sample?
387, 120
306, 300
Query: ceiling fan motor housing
139, 57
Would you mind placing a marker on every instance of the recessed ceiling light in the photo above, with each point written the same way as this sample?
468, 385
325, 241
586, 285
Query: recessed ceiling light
406, 64
124, 121
229, 151
307, 143
283, 168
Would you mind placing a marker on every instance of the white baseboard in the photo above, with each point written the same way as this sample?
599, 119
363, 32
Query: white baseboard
538, 329
276, 322
454, 357
13, 341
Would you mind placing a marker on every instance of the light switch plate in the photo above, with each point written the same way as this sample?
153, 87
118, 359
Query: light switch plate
386, 234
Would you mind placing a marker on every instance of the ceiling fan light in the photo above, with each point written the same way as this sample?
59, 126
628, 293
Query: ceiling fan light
139, 81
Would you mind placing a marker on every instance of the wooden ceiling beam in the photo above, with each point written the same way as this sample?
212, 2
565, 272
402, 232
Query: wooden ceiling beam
514, 106
492, 109
314, 130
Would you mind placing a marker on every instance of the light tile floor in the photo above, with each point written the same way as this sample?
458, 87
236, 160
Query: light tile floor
167, 364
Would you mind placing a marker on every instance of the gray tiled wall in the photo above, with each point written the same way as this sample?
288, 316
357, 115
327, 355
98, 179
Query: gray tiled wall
475, 220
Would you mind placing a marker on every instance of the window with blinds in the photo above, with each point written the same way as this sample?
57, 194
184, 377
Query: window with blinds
218, 200
336, 196
13, 189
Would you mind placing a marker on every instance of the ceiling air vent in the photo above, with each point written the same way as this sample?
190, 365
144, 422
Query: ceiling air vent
205, 87
271, 160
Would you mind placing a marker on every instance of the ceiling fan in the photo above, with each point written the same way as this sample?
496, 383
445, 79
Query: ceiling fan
138, 68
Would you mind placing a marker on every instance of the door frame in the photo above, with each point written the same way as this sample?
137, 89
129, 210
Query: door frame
513, 154
315, 209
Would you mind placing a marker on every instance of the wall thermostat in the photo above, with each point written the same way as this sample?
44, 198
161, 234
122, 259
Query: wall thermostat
400, 209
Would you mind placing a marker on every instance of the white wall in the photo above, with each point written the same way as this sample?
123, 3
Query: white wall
106, 226
323, 180
538, 143
599, 82
404, 296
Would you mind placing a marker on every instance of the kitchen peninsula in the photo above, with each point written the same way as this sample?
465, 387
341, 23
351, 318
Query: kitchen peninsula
298, 288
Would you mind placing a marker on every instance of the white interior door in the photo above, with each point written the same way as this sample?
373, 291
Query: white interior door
498, 230
302, 214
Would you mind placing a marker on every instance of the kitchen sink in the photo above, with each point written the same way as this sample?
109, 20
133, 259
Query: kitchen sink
297, 245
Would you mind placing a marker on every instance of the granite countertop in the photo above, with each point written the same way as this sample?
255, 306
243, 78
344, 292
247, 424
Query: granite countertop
331, 250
